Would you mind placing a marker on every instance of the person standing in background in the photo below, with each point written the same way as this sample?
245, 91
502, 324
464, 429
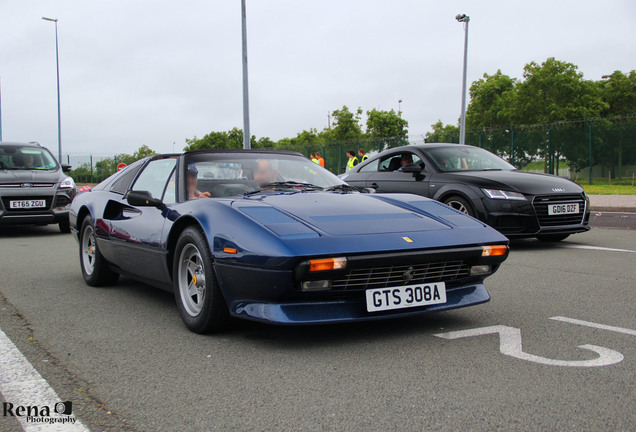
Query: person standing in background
353, 160
362, 155
321, 160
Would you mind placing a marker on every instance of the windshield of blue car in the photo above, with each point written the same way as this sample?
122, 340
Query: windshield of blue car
235, 173
466, 158
14, 157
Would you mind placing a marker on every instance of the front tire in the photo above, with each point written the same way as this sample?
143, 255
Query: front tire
199, 299
460, 204
552, 237
94, 267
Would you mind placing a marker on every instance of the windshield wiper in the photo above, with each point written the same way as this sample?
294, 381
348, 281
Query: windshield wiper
285, 185
343, 187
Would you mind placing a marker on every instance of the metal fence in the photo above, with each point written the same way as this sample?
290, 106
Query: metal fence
590, 148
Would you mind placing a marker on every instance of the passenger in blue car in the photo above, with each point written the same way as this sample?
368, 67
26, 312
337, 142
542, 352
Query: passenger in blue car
192, 182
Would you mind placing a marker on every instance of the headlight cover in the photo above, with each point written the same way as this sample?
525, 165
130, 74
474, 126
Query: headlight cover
502, 194
67, 183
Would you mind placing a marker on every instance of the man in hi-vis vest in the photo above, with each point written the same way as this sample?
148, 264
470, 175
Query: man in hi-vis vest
353, 160
362, 155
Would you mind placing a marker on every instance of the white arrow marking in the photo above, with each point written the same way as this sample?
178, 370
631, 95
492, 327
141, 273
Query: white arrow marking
510, 345
571, 246
595, 325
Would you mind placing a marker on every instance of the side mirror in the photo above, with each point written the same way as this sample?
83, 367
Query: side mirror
412, 168
66, 168
143, 199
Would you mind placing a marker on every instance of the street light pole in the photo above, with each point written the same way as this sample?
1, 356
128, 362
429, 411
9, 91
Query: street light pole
400, 107
246, 102
57, 66
462, 125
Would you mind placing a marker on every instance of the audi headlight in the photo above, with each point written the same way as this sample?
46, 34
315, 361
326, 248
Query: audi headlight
67, 183
502, 194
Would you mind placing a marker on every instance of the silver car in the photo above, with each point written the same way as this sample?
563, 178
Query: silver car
34, 189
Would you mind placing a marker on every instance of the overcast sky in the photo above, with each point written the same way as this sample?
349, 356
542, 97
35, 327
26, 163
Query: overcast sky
157, 72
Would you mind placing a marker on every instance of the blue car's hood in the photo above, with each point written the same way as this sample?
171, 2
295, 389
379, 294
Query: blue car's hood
297, 224
335, 214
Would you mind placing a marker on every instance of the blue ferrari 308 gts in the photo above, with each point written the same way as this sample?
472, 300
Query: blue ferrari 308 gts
273, 237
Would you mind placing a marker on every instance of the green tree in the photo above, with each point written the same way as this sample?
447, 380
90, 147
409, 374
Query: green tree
492, 100
551, 92
108, 166
215, 140
262, 142
386, 124
82, 173
308, 138
346, 125
618, 91
232, 139
442, 133
555, 91
284, 144
142, 152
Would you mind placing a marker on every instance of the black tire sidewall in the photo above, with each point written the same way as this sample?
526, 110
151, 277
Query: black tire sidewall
464, 201
214, 311
102, 274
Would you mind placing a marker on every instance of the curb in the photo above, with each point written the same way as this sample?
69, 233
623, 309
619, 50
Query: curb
613, 209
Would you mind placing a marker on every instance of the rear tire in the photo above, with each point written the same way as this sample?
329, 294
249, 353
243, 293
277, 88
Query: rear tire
199, 299
94, 267
552, 237
460, 204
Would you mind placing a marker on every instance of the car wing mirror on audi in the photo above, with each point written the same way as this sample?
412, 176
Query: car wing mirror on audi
143, 199
67, 168
412, 168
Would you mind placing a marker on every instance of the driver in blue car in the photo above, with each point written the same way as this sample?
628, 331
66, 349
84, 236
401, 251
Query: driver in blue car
192, 182
265, 172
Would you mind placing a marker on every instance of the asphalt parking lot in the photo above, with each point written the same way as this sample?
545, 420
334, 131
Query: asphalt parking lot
555, 349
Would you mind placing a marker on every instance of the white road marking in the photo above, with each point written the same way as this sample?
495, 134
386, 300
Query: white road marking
510, 345
595, 325
598, 248
22, 385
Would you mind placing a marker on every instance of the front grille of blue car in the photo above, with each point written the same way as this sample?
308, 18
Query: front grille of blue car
398, 275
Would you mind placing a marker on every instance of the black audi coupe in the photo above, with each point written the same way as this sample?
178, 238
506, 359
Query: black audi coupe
480, 184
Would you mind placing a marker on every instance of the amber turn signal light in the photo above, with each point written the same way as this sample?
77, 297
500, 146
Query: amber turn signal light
327, 264
495, 250
230, 250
